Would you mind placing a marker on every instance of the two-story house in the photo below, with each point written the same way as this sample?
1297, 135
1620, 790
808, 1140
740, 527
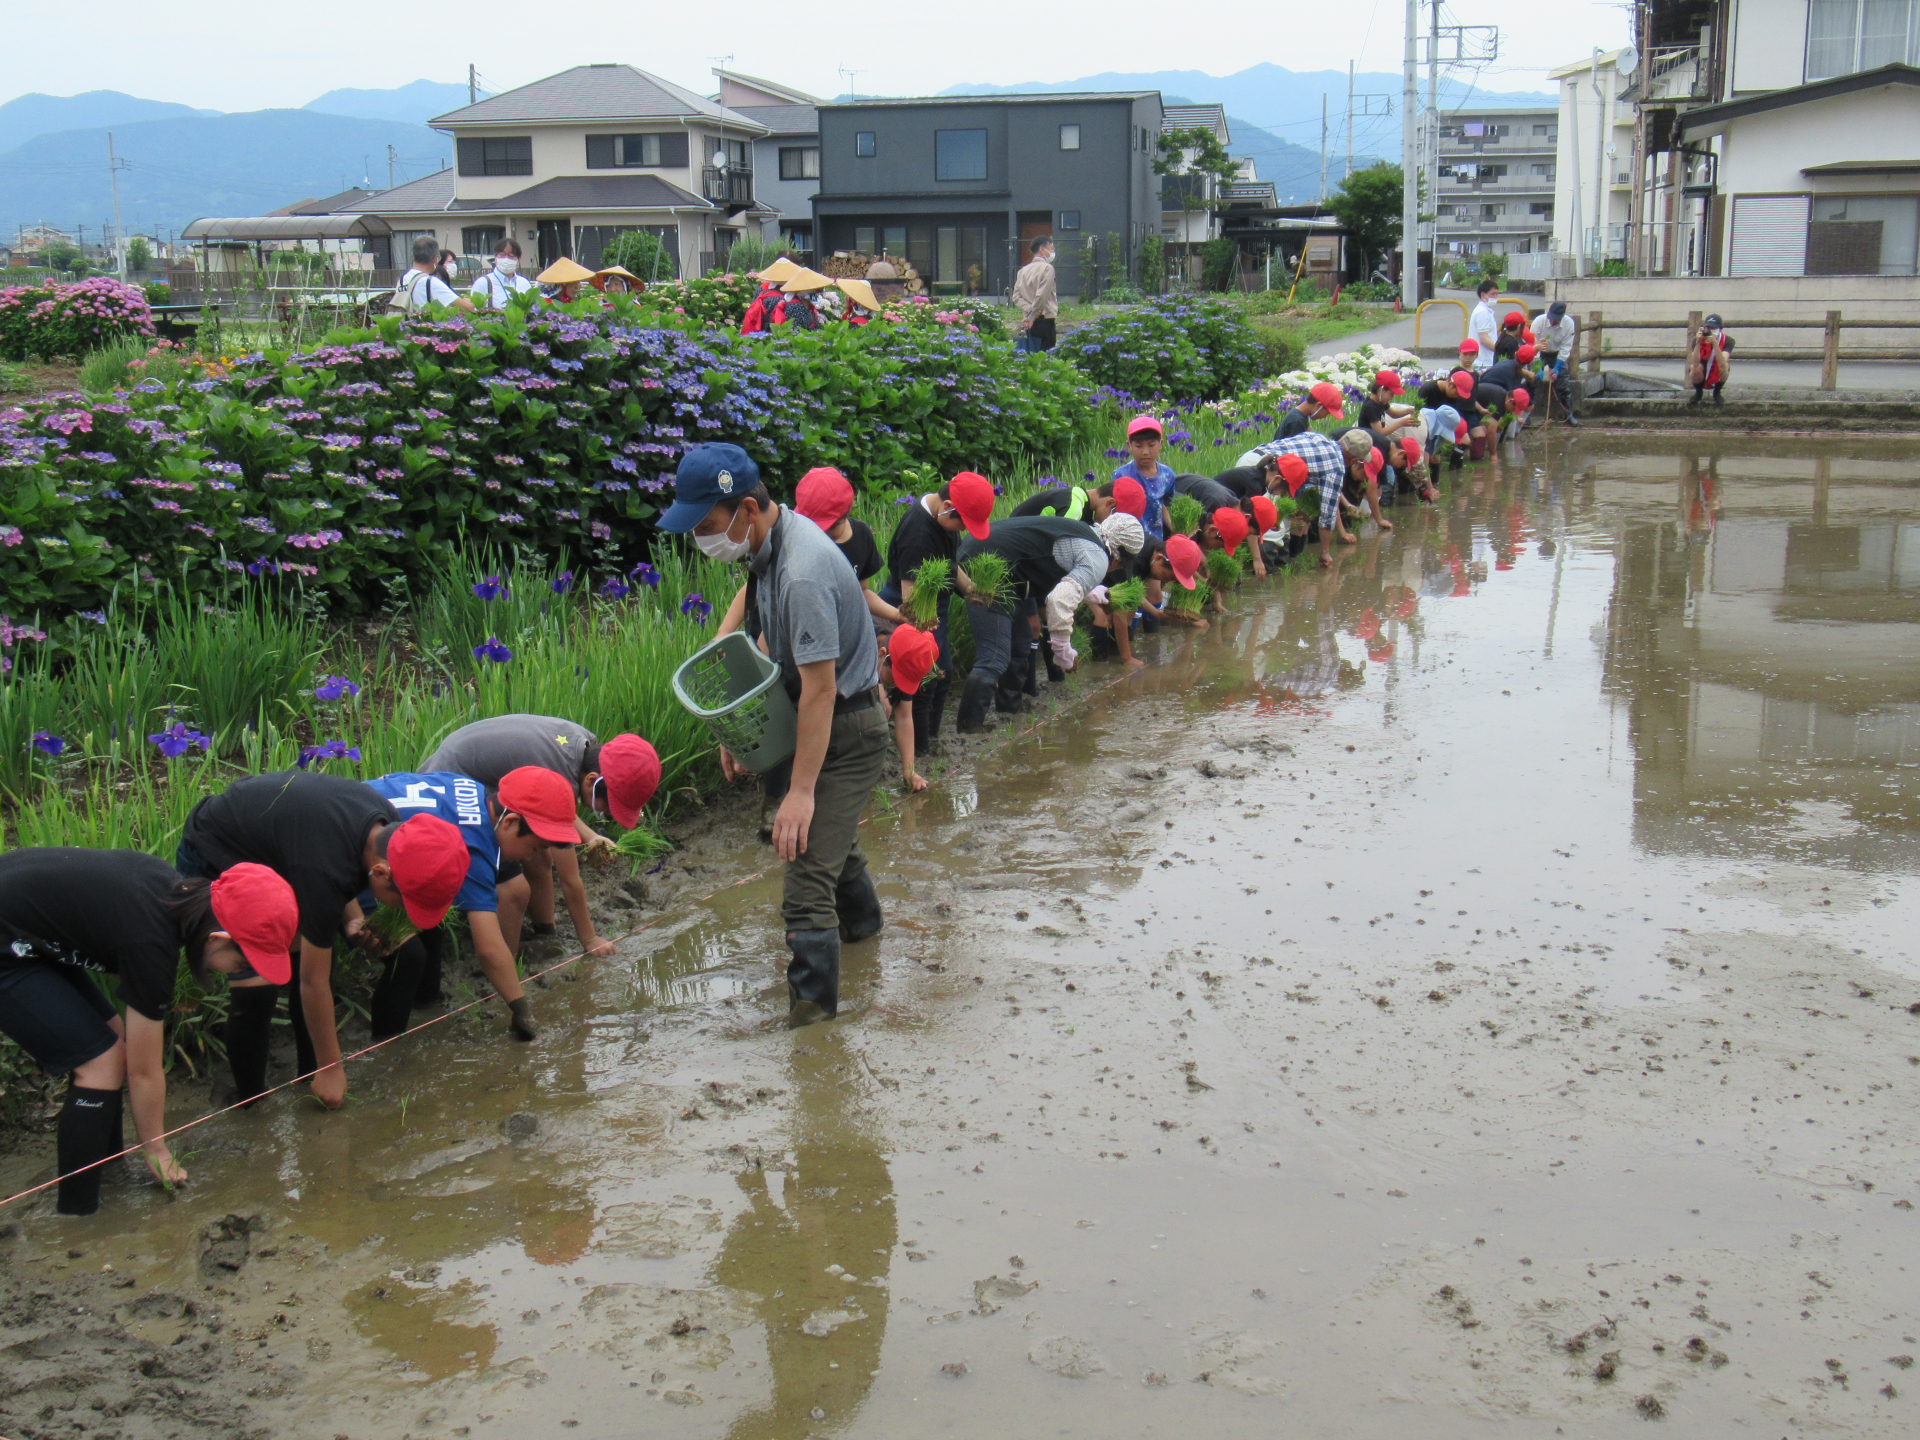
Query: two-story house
1496, 180
960, 186
1191, 205
567, 163
786, 159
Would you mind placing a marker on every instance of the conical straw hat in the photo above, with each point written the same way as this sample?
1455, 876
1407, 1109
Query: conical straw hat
563, 272
860, 292
779, 272
804, 279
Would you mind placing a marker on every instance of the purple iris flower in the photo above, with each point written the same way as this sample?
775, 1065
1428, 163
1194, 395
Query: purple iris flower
176, 739
492, 650
615, 588
696, 608
563, 582
48, 744
645, 574
491, 588
335, 687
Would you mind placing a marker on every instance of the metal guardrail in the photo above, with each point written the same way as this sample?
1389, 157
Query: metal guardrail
1593, 332
1500, 302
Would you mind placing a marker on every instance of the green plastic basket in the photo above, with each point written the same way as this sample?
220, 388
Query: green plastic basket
737, 691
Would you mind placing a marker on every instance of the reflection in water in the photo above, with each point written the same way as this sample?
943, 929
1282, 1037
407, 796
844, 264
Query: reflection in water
1764, 641
815, 1244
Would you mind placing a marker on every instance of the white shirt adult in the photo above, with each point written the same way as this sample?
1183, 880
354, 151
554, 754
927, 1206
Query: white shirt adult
1484, 328
423, 288
494, 289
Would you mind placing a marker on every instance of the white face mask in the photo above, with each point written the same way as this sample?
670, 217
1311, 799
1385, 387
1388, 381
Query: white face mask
723, 547
506, 264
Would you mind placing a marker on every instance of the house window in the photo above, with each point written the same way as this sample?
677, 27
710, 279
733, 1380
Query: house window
893, 239
1492, 212
1544, 170
1862, 234
1069, 137
1474, 129
503, 155
799, 162
635, 152
1069, 219
863, 143
1540, 207
1846, 36
959, 155
863, 239
481, 239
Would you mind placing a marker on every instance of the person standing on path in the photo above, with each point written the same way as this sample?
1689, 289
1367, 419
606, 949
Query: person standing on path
330, 838
616, 779
1036, 291
65, 912
422, 286
499, 285
817, 629
1483, 327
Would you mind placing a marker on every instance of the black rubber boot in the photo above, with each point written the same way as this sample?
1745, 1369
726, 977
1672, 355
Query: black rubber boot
975, 700
1101, 644
1032, 686
390, 1009
430, 991
857, 904
89, 1126
813, 976
304, 1061
249, 1036
926, 717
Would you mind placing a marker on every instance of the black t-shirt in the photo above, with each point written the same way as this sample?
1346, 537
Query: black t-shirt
918, 537
1050, 502
309, 829
1490, 398
1434, 394
860, 551
1293, 423
1374, 412
1245, 481
99, 909
1211, 494
1504, 373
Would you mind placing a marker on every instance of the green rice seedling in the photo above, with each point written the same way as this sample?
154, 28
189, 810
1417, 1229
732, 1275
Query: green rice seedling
928, 603
1223, 570
1127, 596
988, 572
642, 845
1192, 601
229, 665
1186, 513
391, 924
1285, 506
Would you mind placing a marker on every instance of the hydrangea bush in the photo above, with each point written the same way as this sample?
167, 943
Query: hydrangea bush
52, 320
1176, 347
1351, 370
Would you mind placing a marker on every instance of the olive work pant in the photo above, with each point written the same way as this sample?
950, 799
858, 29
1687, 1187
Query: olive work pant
856, 756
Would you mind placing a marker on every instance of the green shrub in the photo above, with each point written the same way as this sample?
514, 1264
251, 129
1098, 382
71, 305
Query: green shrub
714, 302
1121, 292
1153, 264
1281, 349
1375, 290
1175, 347
642, 253
749, 253
1219, 262
158, 292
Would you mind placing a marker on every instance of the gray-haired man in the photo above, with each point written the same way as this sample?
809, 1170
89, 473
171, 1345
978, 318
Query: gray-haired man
421, 286
1036, 291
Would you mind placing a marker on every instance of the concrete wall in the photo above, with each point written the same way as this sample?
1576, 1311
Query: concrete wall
1582, 115
1769, 46
1764, 154
1743, 301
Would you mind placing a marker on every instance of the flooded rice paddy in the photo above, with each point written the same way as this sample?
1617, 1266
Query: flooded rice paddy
1470, 992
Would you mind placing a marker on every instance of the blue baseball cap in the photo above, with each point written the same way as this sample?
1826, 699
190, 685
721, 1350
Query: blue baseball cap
707, 475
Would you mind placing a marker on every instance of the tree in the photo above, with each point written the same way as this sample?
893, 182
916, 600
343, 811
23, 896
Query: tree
1209, 157
1368, 205
139, 257
60, 255
643, 254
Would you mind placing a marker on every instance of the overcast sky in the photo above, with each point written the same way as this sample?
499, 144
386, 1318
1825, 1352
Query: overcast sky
224, 55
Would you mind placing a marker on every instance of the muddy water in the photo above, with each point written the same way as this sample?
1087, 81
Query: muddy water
1465, 993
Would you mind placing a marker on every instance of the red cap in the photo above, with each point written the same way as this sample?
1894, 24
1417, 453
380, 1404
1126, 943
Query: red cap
1185, 558
1232, 526
1469, 347
1374, 461
632, 772
429, 862
1143, 425
972, 496
1527, 335
1525, 354
1410, 444
1460, 433
1522, 400
1389, 380
1293, 470
1330, 395
911, 652
1514, 317
824, 497
256, 907
1265, 514
543, 800
1463, 382
1130, 497
1368, 626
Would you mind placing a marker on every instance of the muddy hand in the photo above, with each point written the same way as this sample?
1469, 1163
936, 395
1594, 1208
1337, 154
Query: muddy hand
330, 1086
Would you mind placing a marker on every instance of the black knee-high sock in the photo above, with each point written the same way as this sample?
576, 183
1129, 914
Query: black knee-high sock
249, 1035
393, 997
429, 991
89, 1124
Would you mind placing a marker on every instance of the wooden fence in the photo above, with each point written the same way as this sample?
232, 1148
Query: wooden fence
1594, 330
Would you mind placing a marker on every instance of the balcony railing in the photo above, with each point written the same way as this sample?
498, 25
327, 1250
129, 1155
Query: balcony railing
732, 186
1674, 72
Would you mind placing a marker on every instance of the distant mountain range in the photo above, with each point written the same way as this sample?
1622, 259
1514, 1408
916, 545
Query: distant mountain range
184, 163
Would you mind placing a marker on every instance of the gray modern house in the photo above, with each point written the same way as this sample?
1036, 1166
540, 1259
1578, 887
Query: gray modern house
961, 185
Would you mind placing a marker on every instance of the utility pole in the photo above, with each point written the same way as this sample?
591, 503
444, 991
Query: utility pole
1410, 170
114, 166
1323, 149
1433, 127
390, 160
1349, 169
1603, 127
473, 85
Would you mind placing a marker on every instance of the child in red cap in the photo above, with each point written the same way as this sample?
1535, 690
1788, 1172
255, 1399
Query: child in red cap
1144, 439
825, 496
907, 657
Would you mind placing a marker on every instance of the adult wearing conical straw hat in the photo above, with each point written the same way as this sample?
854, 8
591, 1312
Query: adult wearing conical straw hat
566, 275
798, 308
617, 280
865, 304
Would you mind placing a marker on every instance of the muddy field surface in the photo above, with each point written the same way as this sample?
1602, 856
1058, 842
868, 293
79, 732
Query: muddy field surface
1470, 993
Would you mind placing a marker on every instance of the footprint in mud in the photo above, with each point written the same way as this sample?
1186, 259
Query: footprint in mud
993, 1292
1066, 1357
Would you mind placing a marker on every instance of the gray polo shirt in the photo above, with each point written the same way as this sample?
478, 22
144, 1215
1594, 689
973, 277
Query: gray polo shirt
812, 608
489, 749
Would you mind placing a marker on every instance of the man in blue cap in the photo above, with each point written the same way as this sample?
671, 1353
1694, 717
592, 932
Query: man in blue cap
816, 626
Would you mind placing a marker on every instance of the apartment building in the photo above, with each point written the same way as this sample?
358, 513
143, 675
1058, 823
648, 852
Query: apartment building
1496, 178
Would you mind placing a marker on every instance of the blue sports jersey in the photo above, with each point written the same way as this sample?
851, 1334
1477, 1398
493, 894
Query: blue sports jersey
459, 801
